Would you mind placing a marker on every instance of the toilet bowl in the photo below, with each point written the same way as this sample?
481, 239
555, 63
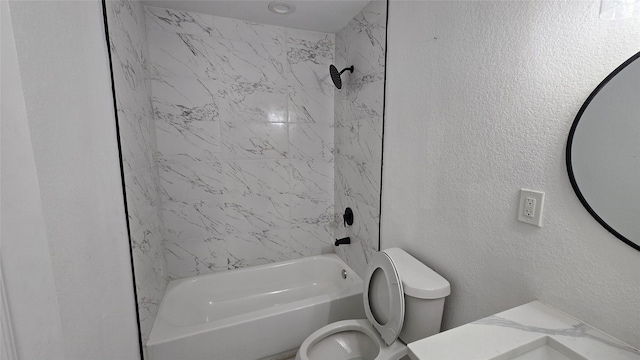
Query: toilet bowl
349, 339
403, 300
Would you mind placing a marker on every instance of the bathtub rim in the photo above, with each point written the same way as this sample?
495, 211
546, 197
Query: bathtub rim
167, 332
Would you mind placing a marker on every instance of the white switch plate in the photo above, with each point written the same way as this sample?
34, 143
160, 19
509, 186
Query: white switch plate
531, 206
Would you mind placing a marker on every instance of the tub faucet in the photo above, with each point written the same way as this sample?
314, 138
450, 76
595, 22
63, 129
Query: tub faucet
343, 241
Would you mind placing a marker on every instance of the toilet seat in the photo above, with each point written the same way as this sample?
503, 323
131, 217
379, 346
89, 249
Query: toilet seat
385, 309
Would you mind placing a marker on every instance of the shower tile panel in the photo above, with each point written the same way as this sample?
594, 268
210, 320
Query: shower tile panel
359, 180
142, 197
249, 32
363, 233
310, 105
367, 228
365, 99
315, 42
311, 177
257, 58
202, 256
366, 48
247, 177
256, 212
311, 141
258, 63
131, 101
341, 49
184, 178
127, 28
261, 246
129, 52
308, 71
194, 220
358, 193
237, 92
376, 75
130, 95
130, 63
150, 276
354, 255
136, 140
309, 61
306, 240
312, 239
245, 148
182, 55
178, 21
358, 114
155, 223
188, 99
340, 201
361, 139
311, 208
253, 102
198, 140
339, 112
254, 140
196, 257
148, 249
373, 12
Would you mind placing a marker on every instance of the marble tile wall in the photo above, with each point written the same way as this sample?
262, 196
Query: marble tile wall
128, 43
244, 123
358, 132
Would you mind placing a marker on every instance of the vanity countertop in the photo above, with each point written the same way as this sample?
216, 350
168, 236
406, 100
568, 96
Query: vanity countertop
496, 336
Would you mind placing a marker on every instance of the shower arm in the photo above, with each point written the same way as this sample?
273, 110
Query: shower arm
348, 68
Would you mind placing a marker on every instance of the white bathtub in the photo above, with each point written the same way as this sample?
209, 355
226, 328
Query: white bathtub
255, 312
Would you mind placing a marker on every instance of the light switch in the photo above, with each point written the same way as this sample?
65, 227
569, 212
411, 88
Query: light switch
531, 206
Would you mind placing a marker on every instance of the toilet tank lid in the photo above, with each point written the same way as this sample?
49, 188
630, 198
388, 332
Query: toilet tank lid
418, 280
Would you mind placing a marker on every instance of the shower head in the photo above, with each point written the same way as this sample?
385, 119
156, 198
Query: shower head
335, 75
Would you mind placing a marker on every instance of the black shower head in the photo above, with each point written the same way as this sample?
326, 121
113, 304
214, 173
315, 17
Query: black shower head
335, 75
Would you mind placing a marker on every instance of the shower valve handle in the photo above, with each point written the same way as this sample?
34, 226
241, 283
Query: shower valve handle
348, 217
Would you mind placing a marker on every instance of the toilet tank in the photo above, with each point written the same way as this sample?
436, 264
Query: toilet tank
424, 293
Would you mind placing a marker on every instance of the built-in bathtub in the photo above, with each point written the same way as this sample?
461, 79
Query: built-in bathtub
255, 312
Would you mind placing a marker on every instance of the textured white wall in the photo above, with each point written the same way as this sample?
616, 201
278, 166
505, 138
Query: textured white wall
26, 263
65, 77
480, 99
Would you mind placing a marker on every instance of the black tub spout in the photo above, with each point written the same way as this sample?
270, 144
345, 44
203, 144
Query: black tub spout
343, 241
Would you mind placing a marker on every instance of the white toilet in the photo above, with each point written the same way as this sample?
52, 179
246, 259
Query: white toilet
403, 298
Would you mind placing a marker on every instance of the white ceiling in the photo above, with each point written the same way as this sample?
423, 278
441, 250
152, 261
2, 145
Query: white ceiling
328, 16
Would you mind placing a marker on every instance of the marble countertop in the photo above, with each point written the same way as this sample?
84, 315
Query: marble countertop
493, 337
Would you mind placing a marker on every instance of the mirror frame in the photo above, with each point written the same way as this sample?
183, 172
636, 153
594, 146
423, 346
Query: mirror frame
572, 179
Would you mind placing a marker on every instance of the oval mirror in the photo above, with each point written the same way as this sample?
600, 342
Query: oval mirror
603, 153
